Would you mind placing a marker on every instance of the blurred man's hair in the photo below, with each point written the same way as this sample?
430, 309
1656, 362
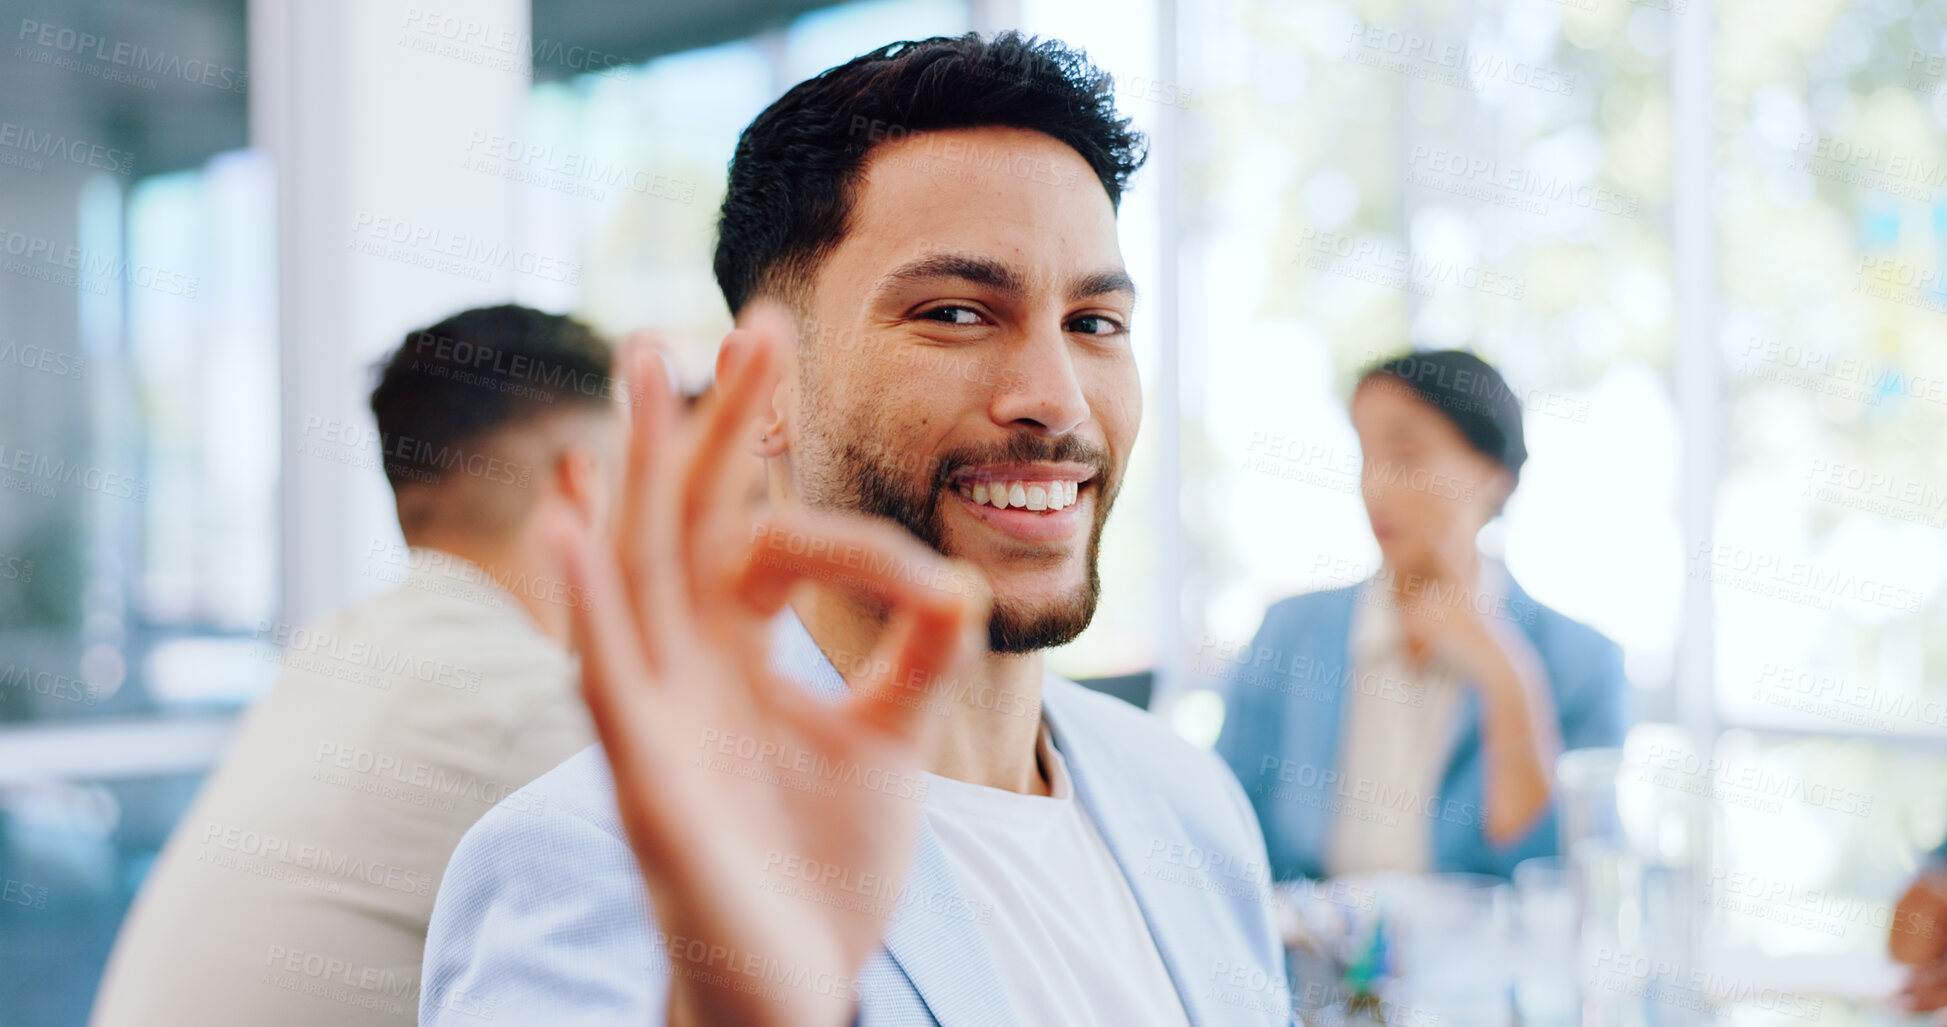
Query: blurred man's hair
796, 167
450, 388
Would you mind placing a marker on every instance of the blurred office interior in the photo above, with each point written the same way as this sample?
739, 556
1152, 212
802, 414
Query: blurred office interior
1727, 327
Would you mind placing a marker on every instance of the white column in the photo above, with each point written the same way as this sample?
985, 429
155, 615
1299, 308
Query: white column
369, 109
1696, 366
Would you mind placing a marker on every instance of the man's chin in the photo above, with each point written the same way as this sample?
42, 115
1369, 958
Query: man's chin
1016, 627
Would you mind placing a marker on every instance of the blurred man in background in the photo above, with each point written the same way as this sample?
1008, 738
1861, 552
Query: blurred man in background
298, 888
1411, 723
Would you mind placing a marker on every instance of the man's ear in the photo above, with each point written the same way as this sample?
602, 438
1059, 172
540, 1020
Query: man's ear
1500, 486
578, 477
766, 430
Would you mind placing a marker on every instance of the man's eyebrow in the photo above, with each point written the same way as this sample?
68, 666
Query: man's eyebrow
978, 270
1000, 277
1103, 283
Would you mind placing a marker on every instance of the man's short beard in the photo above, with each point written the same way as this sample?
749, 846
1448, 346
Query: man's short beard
866, 477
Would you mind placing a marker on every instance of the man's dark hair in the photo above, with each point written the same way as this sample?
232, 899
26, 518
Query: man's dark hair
796, 168
452, 384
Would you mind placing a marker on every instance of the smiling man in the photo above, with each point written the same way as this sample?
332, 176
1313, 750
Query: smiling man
822, 796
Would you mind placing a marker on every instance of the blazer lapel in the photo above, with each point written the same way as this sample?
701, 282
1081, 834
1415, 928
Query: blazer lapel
1131, 824
940, 952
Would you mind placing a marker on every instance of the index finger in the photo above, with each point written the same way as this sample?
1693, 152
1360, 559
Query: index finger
937, 607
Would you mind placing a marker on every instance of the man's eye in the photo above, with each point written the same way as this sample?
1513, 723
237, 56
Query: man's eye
953, 315
1095, 324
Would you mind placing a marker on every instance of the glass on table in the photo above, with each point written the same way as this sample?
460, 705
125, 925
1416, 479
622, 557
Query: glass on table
1454, 937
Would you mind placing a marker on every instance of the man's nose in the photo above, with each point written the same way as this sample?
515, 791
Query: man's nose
1039, 388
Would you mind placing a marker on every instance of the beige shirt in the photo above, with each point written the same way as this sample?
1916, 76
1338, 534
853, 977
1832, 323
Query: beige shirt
1397, 735
298, 887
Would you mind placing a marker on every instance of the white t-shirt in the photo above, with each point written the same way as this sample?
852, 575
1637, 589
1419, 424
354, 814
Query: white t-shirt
1067, 938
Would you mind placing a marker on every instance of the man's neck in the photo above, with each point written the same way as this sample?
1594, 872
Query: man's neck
511, 563
990, 718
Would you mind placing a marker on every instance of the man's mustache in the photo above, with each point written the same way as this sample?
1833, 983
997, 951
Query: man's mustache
1027, 448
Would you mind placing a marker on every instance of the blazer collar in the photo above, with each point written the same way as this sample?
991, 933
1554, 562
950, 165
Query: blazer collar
1133, 822
943, 955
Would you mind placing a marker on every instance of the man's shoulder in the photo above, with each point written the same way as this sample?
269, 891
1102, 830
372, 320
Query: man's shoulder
577, 795
1148, 753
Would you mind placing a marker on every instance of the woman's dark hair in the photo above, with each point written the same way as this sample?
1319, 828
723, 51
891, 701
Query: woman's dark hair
1470, 392
796, 167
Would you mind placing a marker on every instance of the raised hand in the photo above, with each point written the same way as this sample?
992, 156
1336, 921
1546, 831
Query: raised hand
696, 725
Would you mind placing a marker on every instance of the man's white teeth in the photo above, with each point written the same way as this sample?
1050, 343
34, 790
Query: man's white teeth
1028, 495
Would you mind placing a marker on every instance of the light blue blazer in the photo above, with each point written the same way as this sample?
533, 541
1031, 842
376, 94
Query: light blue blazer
542, 918
1283, 717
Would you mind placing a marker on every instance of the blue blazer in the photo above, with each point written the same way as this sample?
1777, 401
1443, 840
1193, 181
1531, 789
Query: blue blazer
1283, 716
542, 917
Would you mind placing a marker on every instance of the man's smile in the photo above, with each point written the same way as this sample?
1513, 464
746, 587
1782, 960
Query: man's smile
1030, 502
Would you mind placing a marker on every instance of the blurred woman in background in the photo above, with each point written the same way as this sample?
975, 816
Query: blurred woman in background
1411, 722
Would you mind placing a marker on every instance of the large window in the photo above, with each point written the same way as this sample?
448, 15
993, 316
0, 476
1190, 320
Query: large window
1753, 509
